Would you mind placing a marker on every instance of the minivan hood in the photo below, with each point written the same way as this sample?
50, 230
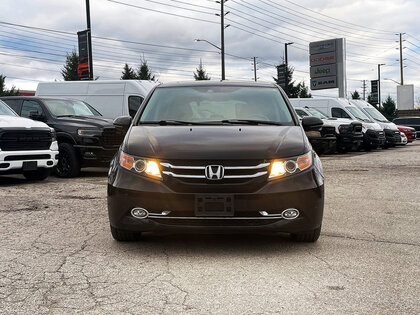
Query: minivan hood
15, 121
87, 121
216, 142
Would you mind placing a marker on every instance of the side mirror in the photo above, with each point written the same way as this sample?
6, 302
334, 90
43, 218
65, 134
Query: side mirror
123, 122
34, 115
311, 123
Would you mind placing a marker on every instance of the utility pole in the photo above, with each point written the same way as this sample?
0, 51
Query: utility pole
286, 61
89, 40
222, 34
401, 60
255, 69
364, 90
379, 83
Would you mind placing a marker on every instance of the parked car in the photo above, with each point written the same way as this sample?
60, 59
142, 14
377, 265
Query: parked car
409, 132
373, 134
26, 147
216, 156
112, 98
349, 135
403, 139
392, 134
85, 138
413, 122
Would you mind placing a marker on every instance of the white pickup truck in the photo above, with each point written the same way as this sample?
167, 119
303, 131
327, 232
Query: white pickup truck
27, 147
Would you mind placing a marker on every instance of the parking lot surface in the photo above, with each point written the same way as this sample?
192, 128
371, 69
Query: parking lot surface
57, 254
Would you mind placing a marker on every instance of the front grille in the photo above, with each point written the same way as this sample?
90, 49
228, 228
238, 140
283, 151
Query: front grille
236, 176
27, 157
112, 137
357, 127
328, 131
19, 140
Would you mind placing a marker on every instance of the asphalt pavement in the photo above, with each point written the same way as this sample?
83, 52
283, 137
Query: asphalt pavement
57, 255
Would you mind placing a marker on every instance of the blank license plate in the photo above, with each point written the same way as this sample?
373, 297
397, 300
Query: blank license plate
214, 205
30, 166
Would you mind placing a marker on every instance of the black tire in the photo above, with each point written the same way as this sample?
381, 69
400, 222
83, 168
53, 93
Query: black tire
39, 174
309, 236
125, 236
68, 163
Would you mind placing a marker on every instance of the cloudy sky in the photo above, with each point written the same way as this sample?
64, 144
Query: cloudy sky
163, 31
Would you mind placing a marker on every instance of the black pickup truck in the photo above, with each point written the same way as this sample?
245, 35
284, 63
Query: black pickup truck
85, 138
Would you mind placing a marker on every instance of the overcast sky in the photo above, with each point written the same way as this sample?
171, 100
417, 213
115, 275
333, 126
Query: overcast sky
257, 28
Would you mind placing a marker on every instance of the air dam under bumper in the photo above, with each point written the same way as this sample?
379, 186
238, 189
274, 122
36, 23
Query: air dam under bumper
127, 191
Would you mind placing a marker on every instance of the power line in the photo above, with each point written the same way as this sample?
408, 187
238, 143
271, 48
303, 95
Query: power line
319, 13
163, 12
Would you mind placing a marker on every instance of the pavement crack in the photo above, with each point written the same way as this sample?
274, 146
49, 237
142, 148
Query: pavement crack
370, 240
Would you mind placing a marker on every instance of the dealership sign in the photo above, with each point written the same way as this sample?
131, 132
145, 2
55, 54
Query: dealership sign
327, 65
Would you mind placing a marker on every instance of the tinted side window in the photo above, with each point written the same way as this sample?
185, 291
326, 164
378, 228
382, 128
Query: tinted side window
14, 104
134, 103
31, 106
339, 113
301, 113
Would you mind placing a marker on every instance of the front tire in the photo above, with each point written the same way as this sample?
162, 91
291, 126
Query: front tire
124, 236
309, 236
39, 174
68, 163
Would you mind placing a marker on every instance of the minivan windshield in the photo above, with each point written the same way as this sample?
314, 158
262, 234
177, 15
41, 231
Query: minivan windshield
216, 105
5, 110
358, 113
375, 114
61, 108
316, 113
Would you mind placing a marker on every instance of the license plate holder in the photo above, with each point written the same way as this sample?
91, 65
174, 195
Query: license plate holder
30, 166
214, 205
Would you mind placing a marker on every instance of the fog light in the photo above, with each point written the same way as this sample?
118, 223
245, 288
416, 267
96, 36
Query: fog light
139, 213
290, 214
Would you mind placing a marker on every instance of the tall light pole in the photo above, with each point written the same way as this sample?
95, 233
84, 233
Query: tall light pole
379, 82
286, 62
401, 59
89, 40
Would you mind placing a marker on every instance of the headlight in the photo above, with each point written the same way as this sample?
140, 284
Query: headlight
89, 132
345, 128
281, 168
53, 135
140, 165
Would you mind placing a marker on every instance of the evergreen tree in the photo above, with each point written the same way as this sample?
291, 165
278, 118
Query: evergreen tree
128, 73
69, 72
388, 108
355, 95
144, 73
292, 90
3, 91
303, 90
201, 74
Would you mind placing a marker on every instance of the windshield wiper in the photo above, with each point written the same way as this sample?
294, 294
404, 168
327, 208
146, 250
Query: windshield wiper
170, 122
251, 122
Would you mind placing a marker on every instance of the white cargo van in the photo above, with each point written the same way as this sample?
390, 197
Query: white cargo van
373, 134
111, 98
392, 134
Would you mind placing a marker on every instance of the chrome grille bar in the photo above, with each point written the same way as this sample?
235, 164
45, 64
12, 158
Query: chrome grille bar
183, 176
168, 165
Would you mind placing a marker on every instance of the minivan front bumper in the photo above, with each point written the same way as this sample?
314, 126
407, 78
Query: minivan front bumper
174, 211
